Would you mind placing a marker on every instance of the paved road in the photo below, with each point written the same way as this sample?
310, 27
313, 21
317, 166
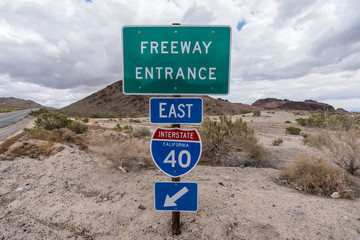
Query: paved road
13, 122
7, 119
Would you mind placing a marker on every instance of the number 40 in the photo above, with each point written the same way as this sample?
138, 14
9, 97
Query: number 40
171, 158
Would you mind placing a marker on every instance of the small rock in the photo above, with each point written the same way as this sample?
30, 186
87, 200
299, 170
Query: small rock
20, 189
220, 183
358, 219
242, 166
335, 195
142, 207
226, 177
232, 195
117, 197
358, 231
113, 194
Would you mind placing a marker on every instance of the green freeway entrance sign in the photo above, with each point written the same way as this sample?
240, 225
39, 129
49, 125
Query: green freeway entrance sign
176, 59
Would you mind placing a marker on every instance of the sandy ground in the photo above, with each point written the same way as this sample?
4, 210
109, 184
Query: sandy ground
77, 195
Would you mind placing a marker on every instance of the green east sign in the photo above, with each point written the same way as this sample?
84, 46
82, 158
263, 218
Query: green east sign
176, 60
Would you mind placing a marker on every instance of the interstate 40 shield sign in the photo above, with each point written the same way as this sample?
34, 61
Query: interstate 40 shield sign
175, 151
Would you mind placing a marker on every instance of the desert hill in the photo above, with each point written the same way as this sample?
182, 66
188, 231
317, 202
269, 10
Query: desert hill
111, 101
17, 102
274, 103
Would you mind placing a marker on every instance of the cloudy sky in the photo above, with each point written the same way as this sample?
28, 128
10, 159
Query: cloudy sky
57, 52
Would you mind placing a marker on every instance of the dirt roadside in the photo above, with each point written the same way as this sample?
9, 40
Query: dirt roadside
77, 195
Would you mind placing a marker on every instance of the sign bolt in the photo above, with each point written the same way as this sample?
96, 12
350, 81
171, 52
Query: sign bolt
175, 31
139, 32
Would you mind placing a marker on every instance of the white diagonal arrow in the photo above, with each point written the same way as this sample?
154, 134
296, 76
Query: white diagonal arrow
170, 201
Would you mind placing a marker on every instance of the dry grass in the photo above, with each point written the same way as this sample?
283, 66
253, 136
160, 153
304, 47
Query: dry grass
314, 175
4, 146
41, 134
33, 150
129, 154
57, 135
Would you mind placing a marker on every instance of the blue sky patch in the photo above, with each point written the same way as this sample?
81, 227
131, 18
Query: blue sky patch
240, 25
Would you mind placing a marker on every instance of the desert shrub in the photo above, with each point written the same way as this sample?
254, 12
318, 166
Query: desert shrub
142, 132
50, 121
288, 121
85, 120
39, 112
223, 137
41, 134
314, 175
256, 113
117, 150
329, 120
135, 120
305, 138
343, 147
301, 121
118, 126
277, 141
128, 127
77, 127
293, 130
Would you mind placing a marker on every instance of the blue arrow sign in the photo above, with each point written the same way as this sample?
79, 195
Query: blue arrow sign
176, 110
176, 196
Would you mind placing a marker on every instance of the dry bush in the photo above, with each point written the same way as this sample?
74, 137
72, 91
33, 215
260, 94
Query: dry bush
314, 175
223, 137
277, 142
128, 154
345, 148
142, 132
314, 140
342, 146
4, 146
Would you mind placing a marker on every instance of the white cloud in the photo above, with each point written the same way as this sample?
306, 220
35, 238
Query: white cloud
285, 47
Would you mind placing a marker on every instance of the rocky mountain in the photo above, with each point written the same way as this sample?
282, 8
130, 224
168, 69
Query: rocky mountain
308, 105
112, 102
16, 102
